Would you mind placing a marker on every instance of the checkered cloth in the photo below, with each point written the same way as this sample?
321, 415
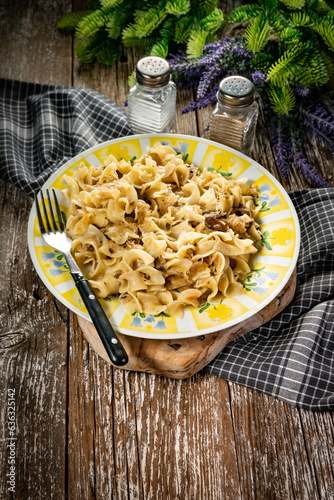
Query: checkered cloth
43, 126
292, 356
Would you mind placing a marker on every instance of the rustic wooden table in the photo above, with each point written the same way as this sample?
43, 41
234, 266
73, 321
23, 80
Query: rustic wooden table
86, 430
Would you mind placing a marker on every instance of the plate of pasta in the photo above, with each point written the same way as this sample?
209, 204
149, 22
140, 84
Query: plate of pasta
178, 236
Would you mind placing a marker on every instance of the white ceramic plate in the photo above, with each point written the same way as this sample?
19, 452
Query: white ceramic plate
272, 266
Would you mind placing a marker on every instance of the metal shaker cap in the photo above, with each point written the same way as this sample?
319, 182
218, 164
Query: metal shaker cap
153, 72
236, 91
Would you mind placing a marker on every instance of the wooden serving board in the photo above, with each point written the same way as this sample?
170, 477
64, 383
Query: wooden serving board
181, 358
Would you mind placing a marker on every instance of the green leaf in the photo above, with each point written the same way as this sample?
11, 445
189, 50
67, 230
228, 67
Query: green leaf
262, 61
264, 207
244, 13
202, 8
257, 33
203, 308
249, 286
300, 19
322, 6
100, 47
196, 42
282, 99
145, 23
112, 3
326, 32
132, 79
108, 53
160, 49
214, 21
183, 27
92, 23
71, 20
293, 4
117, 22
178, 7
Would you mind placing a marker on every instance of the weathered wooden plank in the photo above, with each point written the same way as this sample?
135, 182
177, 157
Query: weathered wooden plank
283, 452
318, 430
31, 47
33, 344
33, 347
141, 436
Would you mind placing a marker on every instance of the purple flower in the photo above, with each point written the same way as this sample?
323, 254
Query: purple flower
277, 128
202, 103
298, 158
318, 120
259, 77
219, 59
302, 90
309, 173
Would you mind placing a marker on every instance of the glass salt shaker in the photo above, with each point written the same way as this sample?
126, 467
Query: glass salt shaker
152, 99
233, 121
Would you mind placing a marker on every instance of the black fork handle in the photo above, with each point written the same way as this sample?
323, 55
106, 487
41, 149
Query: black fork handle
111, 342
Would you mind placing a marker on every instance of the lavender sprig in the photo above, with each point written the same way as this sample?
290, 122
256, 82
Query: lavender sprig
186, 71
259, 77
204, 102
299, 160
219, 59
318, 121
302, 90
277, 128
307, 171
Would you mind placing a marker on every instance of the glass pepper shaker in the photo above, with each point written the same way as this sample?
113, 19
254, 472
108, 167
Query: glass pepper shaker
152, 99
233, 121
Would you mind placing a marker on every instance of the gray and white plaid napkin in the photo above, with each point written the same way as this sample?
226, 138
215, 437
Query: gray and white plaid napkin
43, 126
292, 356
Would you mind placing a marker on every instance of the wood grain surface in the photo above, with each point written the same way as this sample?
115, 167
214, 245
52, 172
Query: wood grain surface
85, 430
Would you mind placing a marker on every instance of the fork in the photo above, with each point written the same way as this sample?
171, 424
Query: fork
55, 235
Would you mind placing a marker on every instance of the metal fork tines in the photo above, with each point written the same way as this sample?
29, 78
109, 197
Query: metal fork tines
54, 234
53, 230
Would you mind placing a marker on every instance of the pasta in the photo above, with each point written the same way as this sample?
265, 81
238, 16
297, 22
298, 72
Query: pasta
159, 233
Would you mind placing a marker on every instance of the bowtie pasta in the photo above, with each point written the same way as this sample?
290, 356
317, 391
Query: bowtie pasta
159, 233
